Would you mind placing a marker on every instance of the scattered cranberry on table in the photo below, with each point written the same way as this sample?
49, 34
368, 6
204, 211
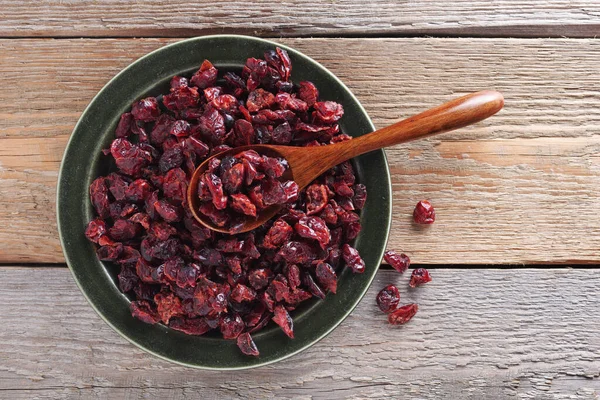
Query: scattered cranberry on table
403, 314
400, 262
192, 279
419, 276
424, 213
388, 298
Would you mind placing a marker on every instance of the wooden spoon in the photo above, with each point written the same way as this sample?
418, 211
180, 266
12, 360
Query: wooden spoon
307, 163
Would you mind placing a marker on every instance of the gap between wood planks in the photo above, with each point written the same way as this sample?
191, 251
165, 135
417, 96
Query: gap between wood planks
499, 32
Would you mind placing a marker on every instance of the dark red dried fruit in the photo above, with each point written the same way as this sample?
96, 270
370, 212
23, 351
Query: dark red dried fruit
328, 111
206, 76
419, 276
259, 278
185, 275
424, 213
400, 262
314, 228
144, 312
247, 345
388, 298
326, 276
283, 319
145, 110
308, 92
403, 314
95, 229
231, 326
353, 259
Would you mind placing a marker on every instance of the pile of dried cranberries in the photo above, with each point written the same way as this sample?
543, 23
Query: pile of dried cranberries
193, 279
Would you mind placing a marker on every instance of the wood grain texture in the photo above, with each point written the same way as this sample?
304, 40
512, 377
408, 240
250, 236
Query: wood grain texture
507, 18
519, 188
479, 334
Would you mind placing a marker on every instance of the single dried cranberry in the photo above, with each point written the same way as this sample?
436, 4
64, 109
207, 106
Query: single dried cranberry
353, 259
206, 76
308, 92
360, 196
247, 345
182, 98
259, 99
259, 278
191, 326
291, 190
388, 298
328, 111
144, 312
99, 196
124, 230
289, 102
419, 276
242, 204
242, 293
231, 326
282, 134
167, 306
424, 213
215, 186
95, 229
180, 128
283, 319
400, 262
317, 198
403, 314
175, 185
314, 228
146, 109
109, 252
218, 217
326, 276
177, 82
124, 125
168, 211
233, 178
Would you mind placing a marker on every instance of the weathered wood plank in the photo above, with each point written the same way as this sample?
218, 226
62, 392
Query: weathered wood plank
478, 334
518, 188
508, 18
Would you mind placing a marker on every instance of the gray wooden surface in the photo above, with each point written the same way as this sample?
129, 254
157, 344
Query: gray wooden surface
479, 334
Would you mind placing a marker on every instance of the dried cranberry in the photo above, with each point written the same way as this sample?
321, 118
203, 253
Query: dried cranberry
144, 312
314, 228
191, 326
145, 110
326, 276
168, 211
328, 111
259, 278
242, 293
353, 259
99, 196
95, 229
400, 262
283, 319
388, 298
424, 213
231, 326
247, 345
308, 92
360, 196
206, 76
403, 314
242, 204
317, 198
419, 276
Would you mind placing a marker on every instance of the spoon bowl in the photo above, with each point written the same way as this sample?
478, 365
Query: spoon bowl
307, 163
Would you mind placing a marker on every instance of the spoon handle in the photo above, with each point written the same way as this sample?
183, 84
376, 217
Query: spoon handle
452, 115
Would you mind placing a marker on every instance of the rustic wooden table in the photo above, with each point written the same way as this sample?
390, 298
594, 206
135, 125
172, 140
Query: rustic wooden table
512, 311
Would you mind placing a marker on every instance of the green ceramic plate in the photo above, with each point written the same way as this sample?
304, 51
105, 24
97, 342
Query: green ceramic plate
83, 162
